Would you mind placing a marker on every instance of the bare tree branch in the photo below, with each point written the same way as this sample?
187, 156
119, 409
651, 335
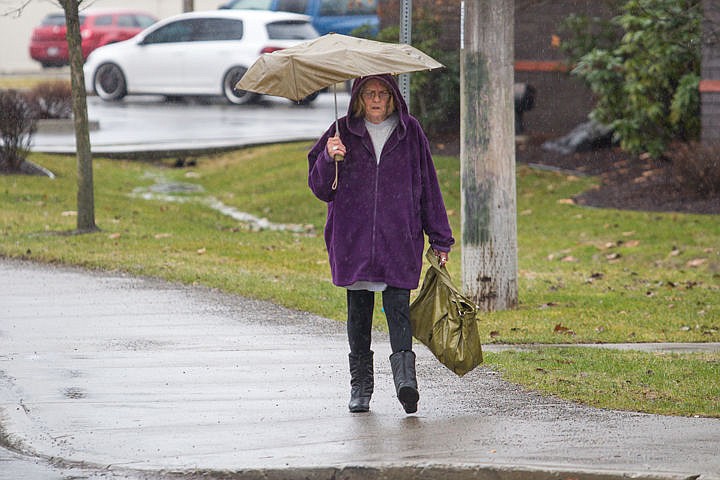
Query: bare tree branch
14, 10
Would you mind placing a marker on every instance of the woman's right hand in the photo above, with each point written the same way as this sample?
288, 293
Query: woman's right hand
335, 147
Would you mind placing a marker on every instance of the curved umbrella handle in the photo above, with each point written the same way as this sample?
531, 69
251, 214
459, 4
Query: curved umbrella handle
335, 182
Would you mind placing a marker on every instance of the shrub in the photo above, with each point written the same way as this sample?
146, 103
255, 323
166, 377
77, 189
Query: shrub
17, 125
646, 81
435, 95
583, 34
52, 99
696, 167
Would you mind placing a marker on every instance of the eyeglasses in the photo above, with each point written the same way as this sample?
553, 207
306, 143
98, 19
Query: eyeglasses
371, 94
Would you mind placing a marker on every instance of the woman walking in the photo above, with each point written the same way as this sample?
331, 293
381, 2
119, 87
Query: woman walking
382, 200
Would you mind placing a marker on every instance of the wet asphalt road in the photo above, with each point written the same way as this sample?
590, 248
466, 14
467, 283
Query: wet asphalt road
118, 377
148, 124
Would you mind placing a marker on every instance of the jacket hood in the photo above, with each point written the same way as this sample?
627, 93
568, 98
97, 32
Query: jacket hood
387, 79
401, 107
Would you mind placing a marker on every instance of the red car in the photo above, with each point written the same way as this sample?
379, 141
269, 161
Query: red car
97, 28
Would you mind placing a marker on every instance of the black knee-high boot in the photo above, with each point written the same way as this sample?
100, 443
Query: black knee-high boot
362, 381
403, 368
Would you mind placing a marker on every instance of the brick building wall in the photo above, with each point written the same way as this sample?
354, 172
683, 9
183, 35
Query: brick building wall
710, 74
562, 100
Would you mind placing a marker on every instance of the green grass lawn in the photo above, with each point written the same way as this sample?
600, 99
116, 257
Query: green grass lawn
585, 275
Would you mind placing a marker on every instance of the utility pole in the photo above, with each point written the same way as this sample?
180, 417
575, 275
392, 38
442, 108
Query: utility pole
710, 72
406, 38
487, 154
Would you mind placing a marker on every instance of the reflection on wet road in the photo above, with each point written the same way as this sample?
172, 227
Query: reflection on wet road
153, 124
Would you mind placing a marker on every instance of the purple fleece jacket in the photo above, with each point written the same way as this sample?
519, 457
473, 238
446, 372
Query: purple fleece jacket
378, 214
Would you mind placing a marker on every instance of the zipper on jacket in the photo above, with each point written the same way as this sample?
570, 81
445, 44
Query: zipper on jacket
375, 208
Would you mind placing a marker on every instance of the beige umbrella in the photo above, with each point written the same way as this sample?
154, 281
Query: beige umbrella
307, 67
298, 71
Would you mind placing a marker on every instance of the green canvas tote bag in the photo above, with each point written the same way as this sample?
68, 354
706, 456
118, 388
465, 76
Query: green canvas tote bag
445, 321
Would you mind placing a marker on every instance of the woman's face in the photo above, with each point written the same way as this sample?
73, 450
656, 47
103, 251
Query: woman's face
376, 97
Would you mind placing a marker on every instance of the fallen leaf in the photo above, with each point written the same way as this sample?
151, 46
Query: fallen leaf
632, 243
566, 201
494, 334
569, 258
696, 262
201, 251
69, 213
559, 328
613, 256
113, 236
163, 235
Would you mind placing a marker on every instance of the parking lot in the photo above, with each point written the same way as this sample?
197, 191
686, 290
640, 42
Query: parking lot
150, 124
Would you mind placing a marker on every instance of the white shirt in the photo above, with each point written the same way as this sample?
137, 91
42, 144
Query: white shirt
380, 132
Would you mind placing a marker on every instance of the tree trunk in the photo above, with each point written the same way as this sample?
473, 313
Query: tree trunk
85, 194
487, 156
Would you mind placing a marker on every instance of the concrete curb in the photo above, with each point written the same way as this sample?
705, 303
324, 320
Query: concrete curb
429, 473
389, 472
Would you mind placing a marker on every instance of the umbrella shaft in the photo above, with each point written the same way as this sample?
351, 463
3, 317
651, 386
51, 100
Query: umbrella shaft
337, 132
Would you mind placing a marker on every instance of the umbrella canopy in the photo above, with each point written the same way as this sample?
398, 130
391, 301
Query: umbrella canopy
298, 71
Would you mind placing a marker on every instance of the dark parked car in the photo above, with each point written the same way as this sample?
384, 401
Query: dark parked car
338, 16
97, 28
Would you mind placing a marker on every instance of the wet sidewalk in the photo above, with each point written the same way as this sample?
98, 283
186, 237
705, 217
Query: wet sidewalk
108, 376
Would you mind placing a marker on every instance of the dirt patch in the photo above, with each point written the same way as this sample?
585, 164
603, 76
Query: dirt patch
628, 182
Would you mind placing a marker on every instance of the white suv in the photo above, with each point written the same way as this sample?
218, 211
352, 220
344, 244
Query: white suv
195, 53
